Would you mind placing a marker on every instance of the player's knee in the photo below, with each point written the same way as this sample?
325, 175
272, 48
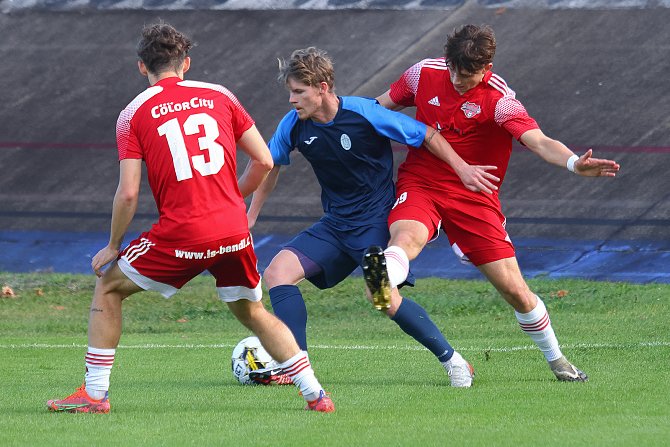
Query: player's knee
109, 290
275, 275
285, 269
520, 297
412, 244
247, 312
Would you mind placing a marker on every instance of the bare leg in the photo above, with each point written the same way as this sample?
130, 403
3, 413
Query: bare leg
505, 276
531, 314
104, 324
278, 340
275, 336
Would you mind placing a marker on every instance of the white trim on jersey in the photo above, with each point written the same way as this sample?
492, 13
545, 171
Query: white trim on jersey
217, 88
499, 84
207, 85
141, 99
145, 283
437, 64
236, 293
123, 121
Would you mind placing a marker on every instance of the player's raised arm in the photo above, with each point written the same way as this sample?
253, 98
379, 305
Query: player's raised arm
555, 152
475, 178
260, 163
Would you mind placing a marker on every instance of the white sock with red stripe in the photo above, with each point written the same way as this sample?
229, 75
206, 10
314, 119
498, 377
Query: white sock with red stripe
537, 325
397, 265
99, 364
300, 370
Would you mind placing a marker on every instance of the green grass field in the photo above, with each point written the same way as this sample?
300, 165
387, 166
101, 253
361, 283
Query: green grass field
172, 385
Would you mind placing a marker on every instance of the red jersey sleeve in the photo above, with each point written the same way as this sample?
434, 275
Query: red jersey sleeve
241, 120
404, 90
512, 116
126, 140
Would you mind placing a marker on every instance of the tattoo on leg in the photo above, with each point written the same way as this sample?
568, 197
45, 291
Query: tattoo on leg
95, 309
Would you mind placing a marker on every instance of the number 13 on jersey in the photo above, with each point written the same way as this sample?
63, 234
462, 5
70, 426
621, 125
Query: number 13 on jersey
175, 139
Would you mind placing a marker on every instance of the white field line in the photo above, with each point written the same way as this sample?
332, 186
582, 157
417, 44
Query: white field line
650, 344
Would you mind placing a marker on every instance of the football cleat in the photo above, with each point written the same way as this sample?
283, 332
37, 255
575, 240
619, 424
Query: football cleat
460, 371
566, 371
323, 404
270, 376
80, 402
376, 277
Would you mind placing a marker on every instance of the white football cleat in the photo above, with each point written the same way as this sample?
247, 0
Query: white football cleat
461, 373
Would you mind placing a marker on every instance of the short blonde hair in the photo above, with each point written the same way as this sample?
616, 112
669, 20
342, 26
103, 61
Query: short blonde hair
310, 66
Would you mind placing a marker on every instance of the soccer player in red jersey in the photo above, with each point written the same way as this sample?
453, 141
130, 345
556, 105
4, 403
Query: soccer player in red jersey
478, 114
186, 133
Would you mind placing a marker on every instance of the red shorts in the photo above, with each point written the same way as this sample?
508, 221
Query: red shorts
476, 229
166, 269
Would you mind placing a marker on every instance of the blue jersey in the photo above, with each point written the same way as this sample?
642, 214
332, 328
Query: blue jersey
351, 156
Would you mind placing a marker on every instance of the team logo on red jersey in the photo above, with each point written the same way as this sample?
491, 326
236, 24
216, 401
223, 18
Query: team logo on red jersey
471, 109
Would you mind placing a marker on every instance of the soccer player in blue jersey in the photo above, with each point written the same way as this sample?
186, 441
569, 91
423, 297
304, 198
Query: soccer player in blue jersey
347, 141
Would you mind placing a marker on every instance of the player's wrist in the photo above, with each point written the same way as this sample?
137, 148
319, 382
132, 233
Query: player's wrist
570, 164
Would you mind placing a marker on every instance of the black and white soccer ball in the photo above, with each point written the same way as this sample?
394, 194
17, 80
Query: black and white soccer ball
249, 355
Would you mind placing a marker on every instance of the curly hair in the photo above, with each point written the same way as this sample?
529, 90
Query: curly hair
162, 48
470, 48
310, 66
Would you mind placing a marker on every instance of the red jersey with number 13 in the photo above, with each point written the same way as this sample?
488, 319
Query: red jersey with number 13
479, 125
185, 131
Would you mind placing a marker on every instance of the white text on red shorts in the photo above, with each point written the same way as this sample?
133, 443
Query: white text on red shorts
182, 254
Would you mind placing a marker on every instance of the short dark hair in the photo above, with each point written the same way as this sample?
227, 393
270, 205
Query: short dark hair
470, 48
162, 47
310, 66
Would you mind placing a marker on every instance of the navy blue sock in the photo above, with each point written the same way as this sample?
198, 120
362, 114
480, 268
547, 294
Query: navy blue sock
413, 319
289, 307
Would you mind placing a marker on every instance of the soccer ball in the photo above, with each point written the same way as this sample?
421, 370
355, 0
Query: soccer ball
249, 355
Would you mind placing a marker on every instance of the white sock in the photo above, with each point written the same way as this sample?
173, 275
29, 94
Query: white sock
300, 370
456, 357
537, 325
99, 364
397, 265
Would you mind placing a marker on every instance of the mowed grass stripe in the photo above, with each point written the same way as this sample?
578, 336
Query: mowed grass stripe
650, 344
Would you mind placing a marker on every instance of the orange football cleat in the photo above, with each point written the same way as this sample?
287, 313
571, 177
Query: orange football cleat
80, 402
323, 404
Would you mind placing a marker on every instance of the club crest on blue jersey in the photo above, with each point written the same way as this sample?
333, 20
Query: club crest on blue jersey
345, 141
471, 109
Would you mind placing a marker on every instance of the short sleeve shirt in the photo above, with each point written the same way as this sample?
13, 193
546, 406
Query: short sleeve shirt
185, 132
479, 125
351, 156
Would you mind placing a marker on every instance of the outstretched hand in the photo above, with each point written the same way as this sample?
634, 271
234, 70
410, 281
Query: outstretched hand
477, 179
595, 167
102, 258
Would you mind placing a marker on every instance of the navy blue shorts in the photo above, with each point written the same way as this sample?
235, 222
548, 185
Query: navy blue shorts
337, 252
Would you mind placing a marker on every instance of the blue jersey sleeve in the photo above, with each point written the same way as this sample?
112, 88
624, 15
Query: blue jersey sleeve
394, 125
280, 144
